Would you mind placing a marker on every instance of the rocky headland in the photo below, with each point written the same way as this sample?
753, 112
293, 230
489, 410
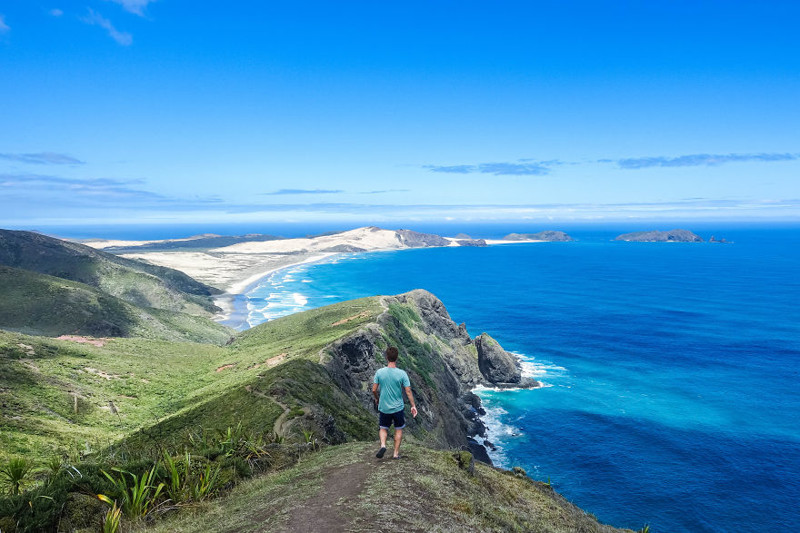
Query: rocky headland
258, 410
446, 364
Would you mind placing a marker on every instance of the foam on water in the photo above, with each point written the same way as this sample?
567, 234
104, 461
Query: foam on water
498, 432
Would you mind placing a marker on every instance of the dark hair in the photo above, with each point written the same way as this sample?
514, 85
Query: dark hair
391, 354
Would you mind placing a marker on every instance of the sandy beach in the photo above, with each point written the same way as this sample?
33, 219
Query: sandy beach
236, 269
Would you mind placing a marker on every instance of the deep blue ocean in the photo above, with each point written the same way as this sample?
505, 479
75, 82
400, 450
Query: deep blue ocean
671, 370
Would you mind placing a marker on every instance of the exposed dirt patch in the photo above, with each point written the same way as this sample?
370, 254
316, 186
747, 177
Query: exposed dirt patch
269, 363
27, 348
225, 367
278, 359
362, 314
100, 373
84, 340
328, 511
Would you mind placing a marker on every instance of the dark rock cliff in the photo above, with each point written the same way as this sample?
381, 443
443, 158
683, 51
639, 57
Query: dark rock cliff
498, 366
442, 360
415, 239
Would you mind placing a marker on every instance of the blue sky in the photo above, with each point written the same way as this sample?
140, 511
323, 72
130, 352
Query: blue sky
169, 111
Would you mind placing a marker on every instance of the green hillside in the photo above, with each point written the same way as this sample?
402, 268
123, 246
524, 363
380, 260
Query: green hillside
164, 387
263, 424
38, 304
136, 282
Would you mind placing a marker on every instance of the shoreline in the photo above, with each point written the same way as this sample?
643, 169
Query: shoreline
234, 301
236, 269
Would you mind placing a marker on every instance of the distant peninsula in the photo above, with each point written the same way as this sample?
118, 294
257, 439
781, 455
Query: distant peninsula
546, 236
231, 264
675, 235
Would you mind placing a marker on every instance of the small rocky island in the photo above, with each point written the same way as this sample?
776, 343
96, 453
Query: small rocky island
675, 235
547, 236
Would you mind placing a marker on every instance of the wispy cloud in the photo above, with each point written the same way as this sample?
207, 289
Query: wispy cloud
96, 19
695, 160
452, 169
541, 168
10, 183
31, 197
56, 12
43, 158
384, 191
3, 26
514, 169
134, 6
282, 192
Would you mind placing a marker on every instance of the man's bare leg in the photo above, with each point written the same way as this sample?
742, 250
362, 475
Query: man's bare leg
398, 438
383, 434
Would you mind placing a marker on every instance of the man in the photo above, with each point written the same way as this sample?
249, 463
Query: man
391, 381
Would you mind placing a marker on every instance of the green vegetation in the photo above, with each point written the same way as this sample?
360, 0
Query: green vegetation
137, 497
137, 433
139, 488
38, 304
61, 396
136, 282
344, 488
53, 287
14, 473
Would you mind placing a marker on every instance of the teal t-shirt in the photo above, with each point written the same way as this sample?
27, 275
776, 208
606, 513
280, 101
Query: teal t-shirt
391, 382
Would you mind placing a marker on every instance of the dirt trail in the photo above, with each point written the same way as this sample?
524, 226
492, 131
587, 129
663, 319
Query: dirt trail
327, 511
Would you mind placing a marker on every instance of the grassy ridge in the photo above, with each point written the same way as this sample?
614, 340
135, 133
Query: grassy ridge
136, 282
164, 386
136, 404
39, 304
344, 488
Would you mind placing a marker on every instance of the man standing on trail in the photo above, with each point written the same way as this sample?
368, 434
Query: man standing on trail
391, 381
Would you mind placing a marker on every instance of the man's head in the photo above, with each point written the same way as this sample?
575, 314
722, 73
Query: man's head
391, 354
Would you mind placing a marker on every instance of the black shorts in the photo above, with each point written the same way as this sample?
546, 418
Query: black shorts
386, 419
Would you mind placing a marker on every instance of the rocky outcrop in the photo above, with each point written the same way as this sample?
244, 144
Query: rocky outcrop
472, 242
415, 239
548, 236
499, 367
443, 362
675, 235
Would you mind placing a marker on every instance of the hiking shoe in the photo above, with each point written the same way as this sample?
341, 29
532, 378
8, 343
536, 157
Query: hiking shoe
380, 453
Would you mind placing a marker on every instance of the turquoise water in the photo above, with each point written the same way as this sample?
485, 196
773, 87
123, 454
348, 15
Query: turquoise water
671, 370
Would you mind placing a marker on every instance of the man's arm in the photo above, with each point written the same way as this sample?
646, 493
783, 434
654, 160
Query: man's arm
413, 403
375, 396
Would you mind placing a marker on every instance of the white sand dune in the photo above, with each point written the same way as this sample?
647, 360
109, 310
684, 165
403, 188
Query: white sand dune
234, 268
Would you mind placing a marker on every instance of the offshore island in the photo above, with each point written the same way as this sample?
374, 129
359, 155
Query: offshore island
116, 375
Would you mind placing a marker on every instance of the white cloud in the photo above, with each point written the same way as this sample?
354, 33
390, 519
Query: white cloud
56, 12
96, 19
3, 26
134, 6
